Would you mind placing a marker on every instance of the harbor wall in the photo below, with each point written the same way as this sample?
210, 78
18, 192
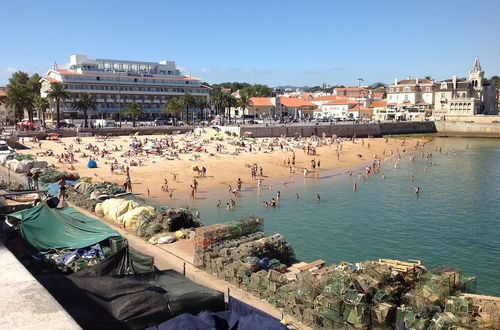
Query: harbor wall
468, 128
348, 130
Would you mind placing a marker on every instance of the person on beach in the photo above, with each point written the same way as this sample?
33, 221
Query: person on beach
305, 171
29, 178
355, 186
35, 178
239, 183
62, 189
273, 202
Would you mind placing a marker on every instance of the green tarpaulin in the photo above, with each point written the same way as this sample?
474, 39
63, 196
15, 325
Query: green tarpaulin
45, 228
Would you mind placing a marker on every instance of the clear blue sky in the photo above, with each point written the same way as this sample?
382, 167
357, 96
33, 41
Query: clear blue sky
259, 41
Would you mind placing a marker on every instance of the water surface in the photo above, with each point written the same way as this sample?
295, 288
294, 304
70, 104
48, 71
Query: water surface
453, 221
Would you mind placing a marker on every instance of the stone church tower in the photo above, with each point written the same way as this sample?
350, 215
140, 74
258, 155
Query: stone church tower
482, 90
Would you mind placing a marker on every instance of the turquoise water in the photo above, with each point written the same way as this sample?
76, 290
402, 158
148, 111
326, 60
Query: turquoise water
455, 220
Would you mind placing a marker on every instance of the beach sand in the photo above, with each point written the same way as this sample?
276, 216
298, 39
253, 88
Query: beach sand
223, 169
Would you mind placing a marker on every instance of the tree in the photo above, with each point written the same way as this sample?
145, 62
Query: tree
22, 86
41, 104
216, 100
243, 102
428, 77
19, 99
257, 90
134, 110
188, 101
173, 107
202, 104
496, 81
57, 93
84, 103
228, 102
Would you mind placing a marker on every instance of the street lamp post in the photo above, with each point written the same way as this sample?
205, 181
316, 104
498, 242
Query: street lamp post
359, 93
119, 102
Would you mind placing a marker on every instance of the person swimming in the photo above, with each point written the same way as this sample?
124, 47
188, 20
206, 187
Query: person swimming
318, 197
417, 190
297, 196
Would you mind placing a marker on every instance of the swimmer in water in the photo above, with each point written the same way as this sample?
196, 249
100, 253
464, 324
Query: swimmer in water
297, 196
355, 186
412, 178
218, 203
417, 190
318, 197
278, 194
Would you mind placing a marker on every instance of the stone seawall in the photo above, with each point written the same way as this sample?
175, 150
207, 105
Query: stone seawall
468, 129
360, 130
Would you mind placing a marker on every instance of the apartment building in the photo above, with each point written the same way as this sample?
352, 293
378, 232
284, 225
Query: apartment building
114, 84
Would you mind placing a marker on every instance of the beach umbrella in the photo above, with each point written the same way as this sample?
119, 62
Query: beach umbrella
195, 168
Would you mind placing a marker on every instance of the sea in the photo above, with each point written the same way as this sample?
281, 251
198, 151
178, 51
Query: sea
453, 221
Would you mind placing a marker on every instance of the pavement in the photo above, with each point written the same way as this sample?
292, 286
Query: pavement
24, 302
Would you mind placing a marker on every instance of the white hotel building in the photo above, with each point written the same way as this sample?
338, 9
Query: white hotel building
114, 84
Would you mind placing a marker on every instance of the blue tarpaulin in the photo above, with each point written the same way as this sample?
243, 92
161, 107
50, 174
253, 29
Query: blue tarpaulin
220, 321
53, 188
240, 316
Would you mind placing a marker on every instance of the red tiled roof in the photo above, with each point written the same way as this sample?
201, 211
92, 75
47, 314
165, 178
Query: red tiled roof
307, 95
261, 101
378, 104
422, 103
338, 101
378, 95
325, 98
350, 89
67, 72
295, 102
3, 93
51, 80
357, 107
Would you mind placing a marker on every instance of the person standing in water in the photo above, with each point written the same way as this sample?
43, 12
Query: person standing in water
318, 197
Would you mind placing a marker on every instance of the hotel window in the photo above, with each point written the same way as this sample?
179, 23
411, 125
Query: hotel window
427, 89
406, 89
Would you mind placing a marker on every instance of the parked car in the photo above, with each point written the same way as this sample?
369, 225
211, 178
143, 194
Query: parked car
64, 125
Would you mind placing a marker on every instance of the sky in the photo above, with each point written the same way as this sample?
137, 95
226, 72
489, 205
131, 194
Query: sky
276, 42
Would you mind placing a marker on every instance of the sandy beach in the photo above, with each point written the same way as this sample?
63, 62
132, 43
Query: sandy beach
161, 167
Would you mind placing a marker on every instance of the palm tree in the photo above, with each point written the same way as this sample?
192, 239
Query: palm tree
202, 104
41, 104
19, 99
229, 102
173, 107
188, 101
216, 99
134, 110
243, 102
84, 102
57, 93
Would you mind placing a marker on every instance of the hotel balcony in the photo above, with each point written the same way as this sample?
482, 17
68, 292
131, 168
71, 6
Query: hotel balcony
129, 100
156, 101
110, 100
99, 100
147, 101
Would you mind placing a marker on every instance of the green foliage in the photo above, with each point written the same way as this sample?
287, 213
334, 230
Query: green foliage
134, 110
84, 103
58, 93
256, 90
173, 107
41, 104
495, 80
21, 92
188, 101
234, 86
